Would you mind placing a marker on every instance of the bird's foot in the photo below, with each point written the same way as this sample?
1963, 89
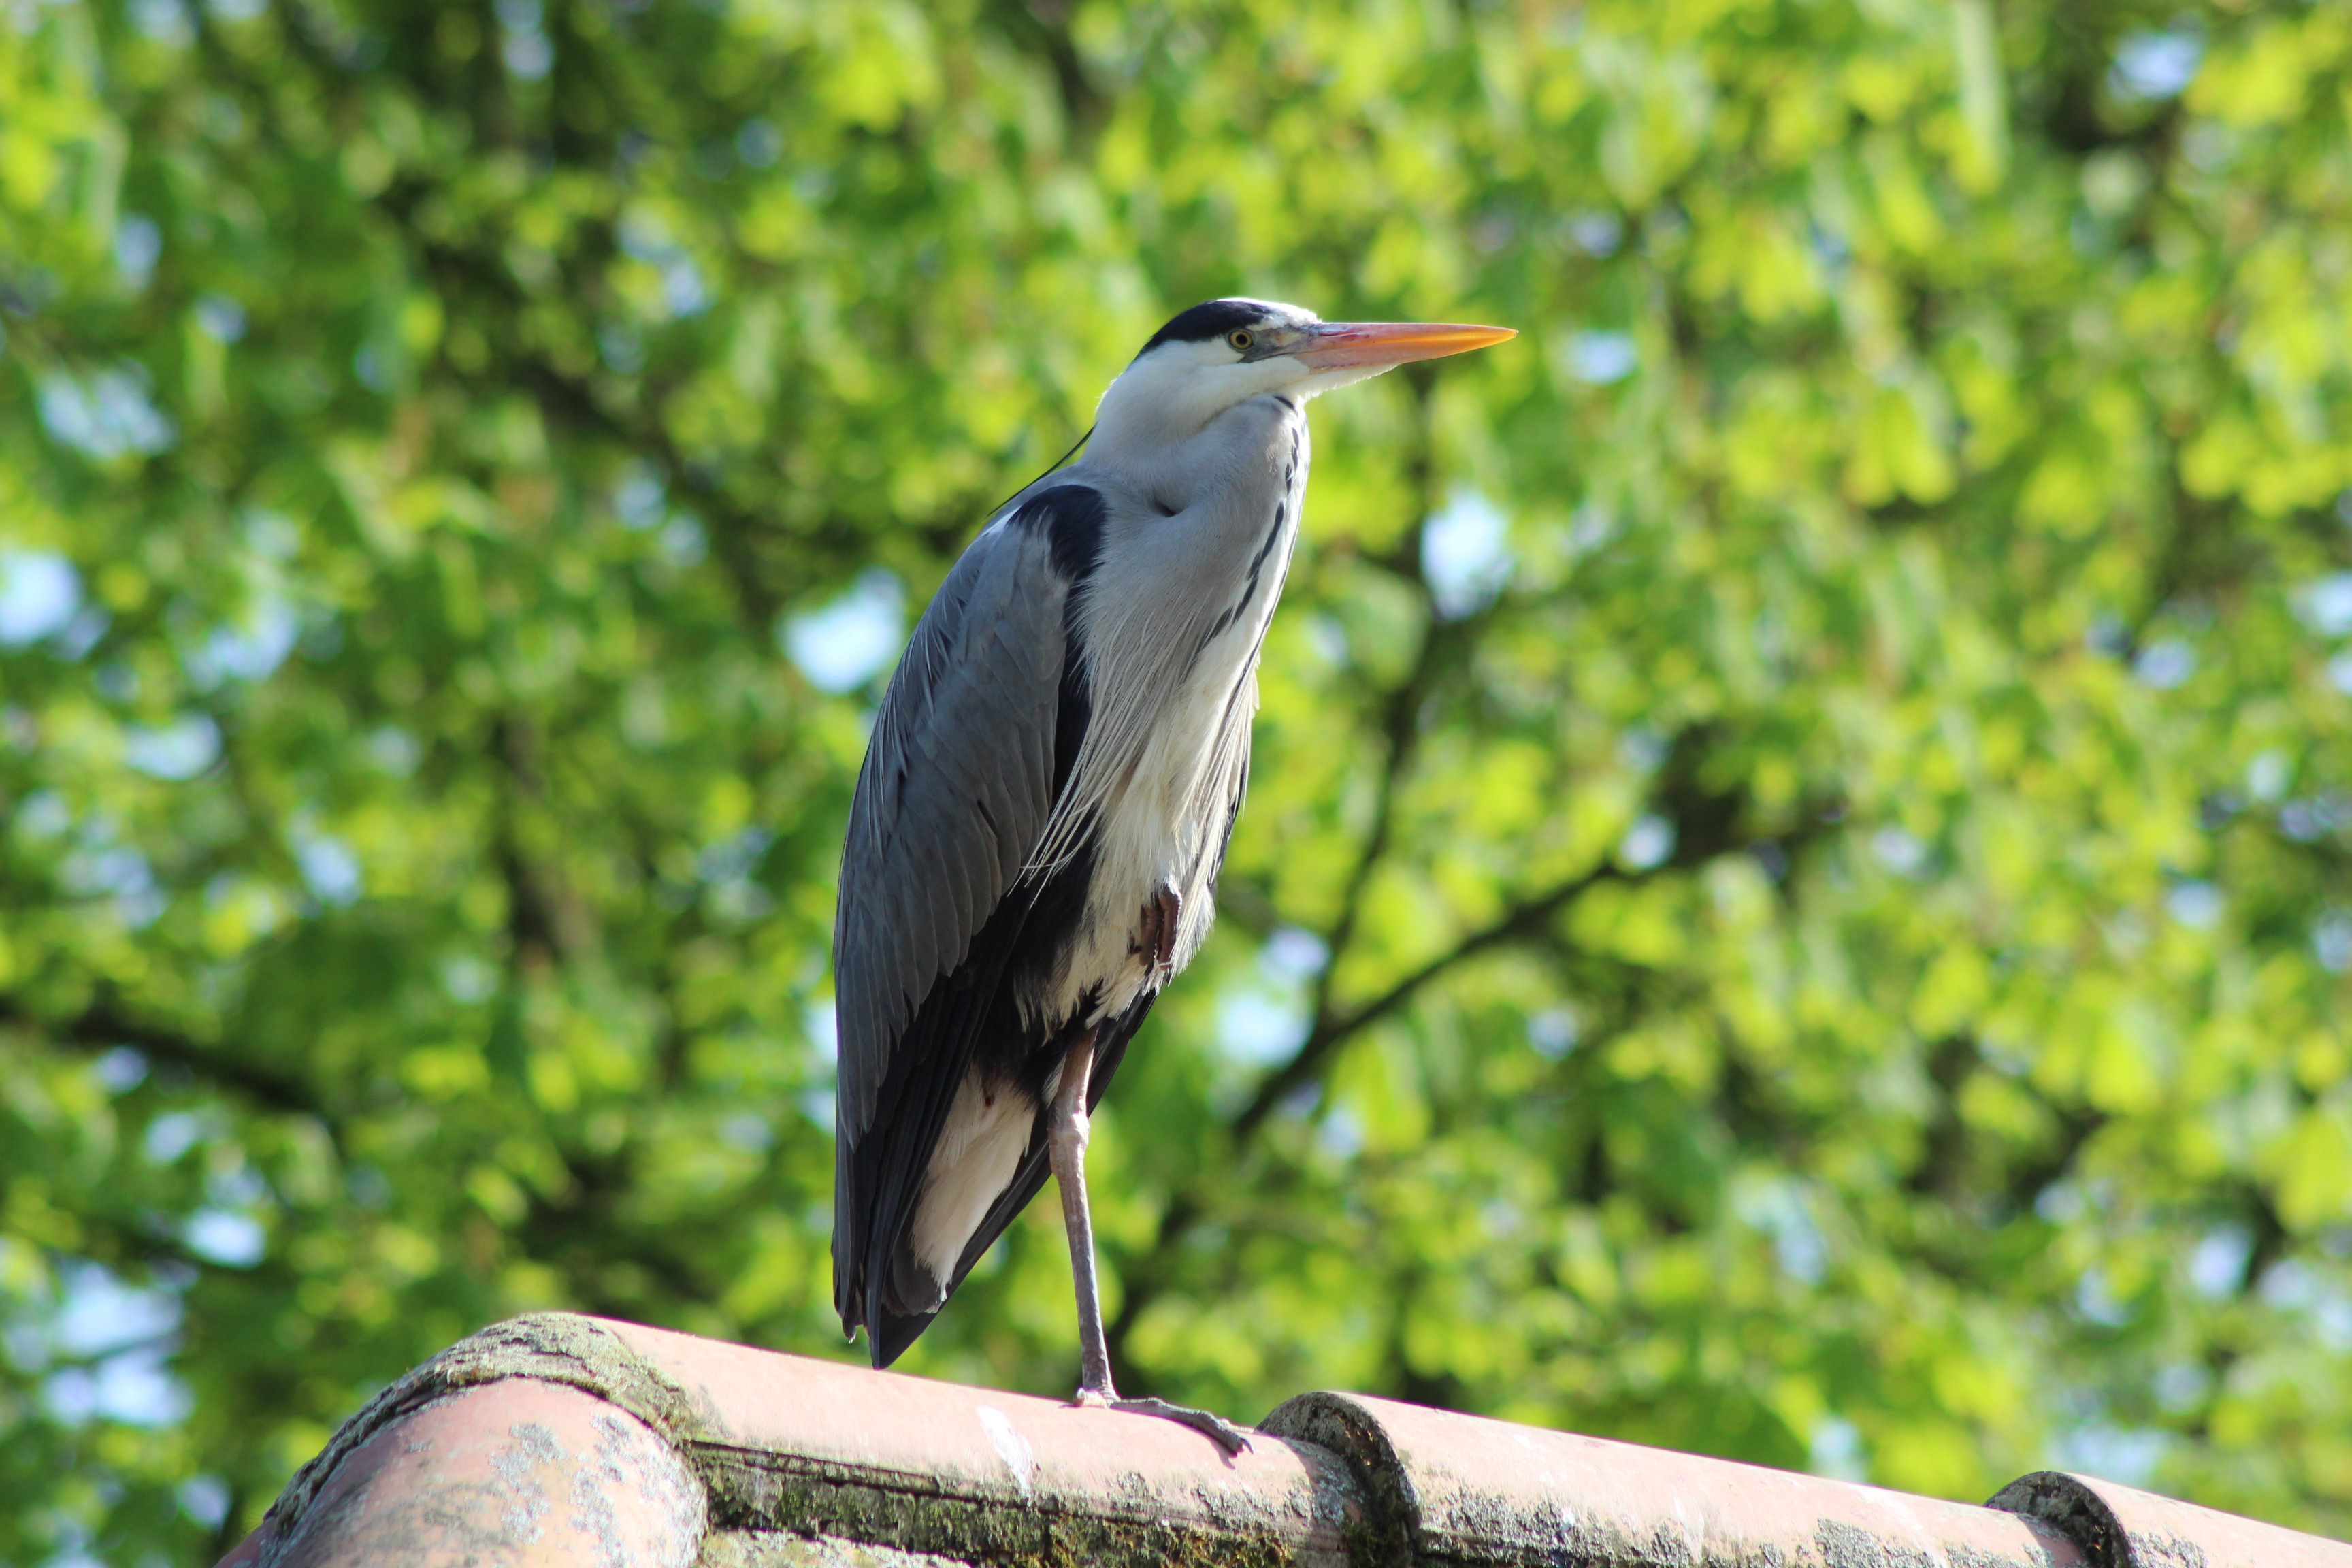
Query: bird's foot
1212, 1427
1156, 931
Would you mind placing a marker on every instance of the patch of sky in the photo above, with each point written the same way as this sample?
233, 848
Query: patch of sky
43, 814
178, 750
2198, 905
40, 592
823, 1031
1554, 1031
759, 143
1642, 747
1831, 247
171, 1135
2060, 1203
102, 868
1328, 639
1901, 852
394, 750
623, 350
2268, 775
1501, 1219
134, 1387
2097, 1301
2331, 1320
2181, 1386
1836, 1450
2339, 673
1780, 1210
638, 497
1596, 233
1493, 230
734, 857
2128, 1455
2307, 821
250, 649
1647, 843
225, 1237
683, 544
329, 868
1293, 956
2291, 1286
105, 415
1341, 1133
1590, 526
527, 52
205, 1499
166, 21
1256, 1028
529, 55
851, 640
1466, 553
2294, 1287
2216, 1264
2331, 941
120, 1070
97, 1314
469, 978
747, 1131
120, 1334
2208, 148
727, 868
221, 318
2166, 664
1600, 359
138, 246
683, 289
2326, 604
2156, 65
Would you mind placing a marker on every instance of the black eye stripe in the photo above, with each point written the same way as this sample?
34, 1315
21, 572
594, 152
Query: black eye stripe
1211, 321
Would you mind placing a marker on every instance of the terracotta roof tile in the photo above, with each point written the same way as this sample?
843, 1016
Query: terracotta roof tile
561, 1440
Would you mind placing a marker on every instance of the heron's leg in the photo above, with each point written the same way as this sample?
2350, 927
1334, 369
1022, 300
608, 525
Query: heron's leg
1067, 1145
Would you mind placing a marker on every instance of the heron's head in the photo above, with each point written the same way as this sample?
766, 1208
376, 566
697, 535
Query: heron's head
1226, 352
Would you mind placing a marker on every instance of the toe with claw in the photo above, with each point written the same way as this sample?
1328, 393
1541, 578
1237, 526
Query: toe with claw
1210, 1424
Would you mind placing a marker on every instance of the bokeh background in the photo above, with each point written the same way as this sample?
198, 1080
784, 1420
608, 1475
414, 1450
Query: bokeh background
1795, 899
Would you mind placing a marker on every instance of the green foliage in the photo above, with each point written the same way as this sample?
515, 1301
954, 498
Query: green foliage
1836, 921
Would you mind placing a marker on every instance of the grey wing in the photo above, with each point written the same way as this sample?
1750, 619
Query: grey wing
956, 789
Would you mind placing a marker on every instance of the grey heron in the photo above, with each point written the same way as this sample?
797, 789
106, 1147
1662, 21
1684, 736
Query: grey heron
1047, 799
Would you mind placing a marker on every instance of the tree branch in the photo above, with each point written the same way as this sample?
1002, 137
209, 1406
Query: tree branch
103, 1026
1334, 1030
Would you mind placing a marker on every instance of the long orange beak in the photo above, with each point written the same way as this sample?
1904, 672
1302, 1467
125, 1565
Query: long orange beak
1337, 345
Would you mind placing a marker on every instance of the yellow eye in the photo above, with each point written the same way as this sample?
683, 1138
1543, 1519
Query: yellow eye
1240, 338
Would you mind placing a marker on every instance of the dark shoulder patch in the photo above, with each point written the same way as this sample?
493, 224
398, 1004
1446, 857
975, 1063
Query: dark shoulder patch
1211, 319
1072, 517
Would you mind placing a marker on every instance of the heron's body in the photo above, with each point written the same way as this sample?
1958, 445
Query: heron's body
1052, 781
